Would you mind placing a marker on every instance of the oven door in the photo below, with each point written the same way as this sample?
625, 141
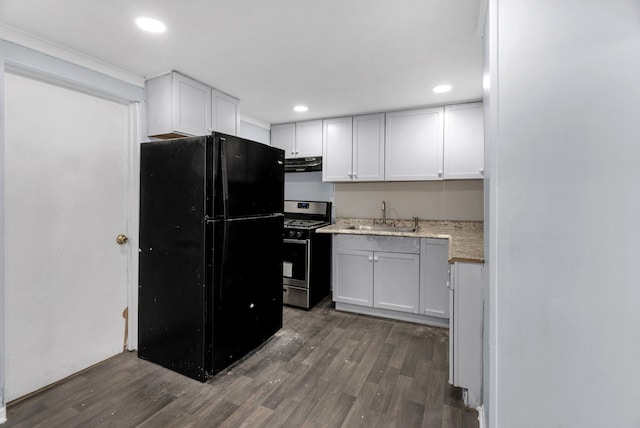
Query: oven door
295, 267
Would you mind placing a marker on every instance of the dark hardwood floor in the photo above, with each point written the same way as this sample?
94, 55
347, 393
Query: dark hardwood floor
323, 369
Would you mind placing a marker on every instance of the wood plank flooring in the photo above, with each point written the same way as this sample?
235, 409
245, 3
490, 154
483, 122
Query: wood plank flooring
322, 369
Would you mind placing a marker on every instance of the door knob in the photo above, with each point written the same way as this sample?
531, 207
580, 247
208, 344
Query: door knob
122, 239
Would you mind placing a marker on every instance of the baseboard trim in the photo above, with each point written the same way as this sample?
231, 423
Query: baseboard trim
396, 315
481, 421
3, 415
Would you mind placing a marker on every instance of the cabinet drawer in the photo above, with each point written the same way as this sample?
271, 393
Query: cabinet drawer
392, 244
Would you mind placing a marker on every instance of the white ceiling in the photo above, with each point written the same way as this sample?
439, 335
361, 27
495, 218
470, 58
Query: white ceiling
339, 57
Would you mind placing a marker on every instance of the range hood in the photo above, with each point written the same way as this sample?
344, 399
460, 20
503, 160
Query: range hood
303, 164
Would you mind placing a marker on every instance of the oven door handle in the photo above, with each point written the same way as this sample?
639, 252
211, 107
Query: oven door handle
296, 241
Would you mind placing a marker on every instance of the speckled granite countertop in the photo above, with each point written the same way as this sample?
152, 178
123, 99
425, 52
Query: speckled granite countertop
466, 238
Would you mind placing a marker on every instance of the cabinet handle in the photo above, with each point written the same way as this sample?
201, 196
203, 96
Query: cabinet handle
439, 173
350, 174
375, 259
370, 258
481, 171
297, 152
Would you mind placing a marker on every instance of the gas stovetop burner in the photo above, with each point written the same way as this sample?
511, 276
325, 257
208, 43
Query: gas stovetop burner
304, 224
306, 215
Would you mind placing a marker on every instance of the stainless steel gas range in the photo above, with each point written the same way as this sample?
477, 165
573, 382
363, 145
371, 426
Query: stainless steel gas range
307, 256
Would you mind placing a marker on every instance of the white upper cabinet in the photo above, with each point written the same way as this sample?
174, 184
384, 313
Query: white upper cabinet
177, 106
414, 141
368, 147
284, 137
353, 148
225, 113
308, 139
439, 143
337, 149
463, 141
298, 140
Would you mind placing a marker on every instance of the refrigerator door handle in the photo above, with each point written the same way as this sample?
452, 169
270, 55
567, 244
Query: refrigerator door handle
225, 209
225, 178
223, 261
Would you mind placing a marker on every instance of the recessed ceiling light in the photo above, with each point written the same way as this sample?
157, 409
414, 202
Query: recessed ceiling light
151, 25
301, 108
441, 89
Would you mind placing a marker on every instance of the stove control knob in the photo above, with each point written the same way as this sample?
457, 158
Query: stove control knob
299, 234
292, 233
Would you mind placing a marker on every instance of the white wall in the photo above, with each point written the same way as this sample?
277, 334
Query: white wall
431, 200
250, 131
307, 186
566, 189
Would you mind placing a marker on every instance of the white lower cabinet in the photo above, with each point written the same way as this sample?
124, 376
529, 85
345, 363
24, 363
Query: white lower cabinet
434, 277
353, 276
382, 275
396, 278
465, 331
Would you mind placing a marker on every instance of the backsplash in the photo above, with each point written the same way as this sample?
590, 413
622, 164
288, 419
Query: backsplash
431, 200
308, 186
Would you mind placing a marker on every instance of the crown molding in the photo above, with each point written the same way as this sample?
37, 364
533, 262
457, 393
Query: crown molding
47, 47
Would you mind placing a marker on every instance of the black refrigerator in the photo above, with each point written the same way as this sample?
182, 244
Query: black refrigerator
210, 278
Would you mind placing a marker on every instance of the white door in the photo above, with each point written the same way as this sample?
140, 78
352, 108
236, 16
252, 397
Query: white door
337, 146
396, 281
308, 139
368, 147
65, 203
284, 137
434, 275
353, 277
413, 144
463, 141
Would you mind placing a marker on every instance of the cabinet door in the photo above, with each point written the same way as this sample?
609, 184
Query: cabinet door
308, 139
396, 281
191, 106
353, 277
465, 334
368, 147
226, 117
413, 146
284, 137
463, 141
337, 149
434, 294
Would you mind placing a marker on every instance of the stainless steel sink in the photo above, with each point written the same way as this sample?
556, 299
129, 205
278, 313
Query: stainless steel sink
382, 228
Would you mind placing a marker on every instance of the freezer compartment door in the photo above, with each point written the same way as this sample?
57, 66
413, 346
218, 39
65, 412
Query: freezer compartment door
247, 277
250, 179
